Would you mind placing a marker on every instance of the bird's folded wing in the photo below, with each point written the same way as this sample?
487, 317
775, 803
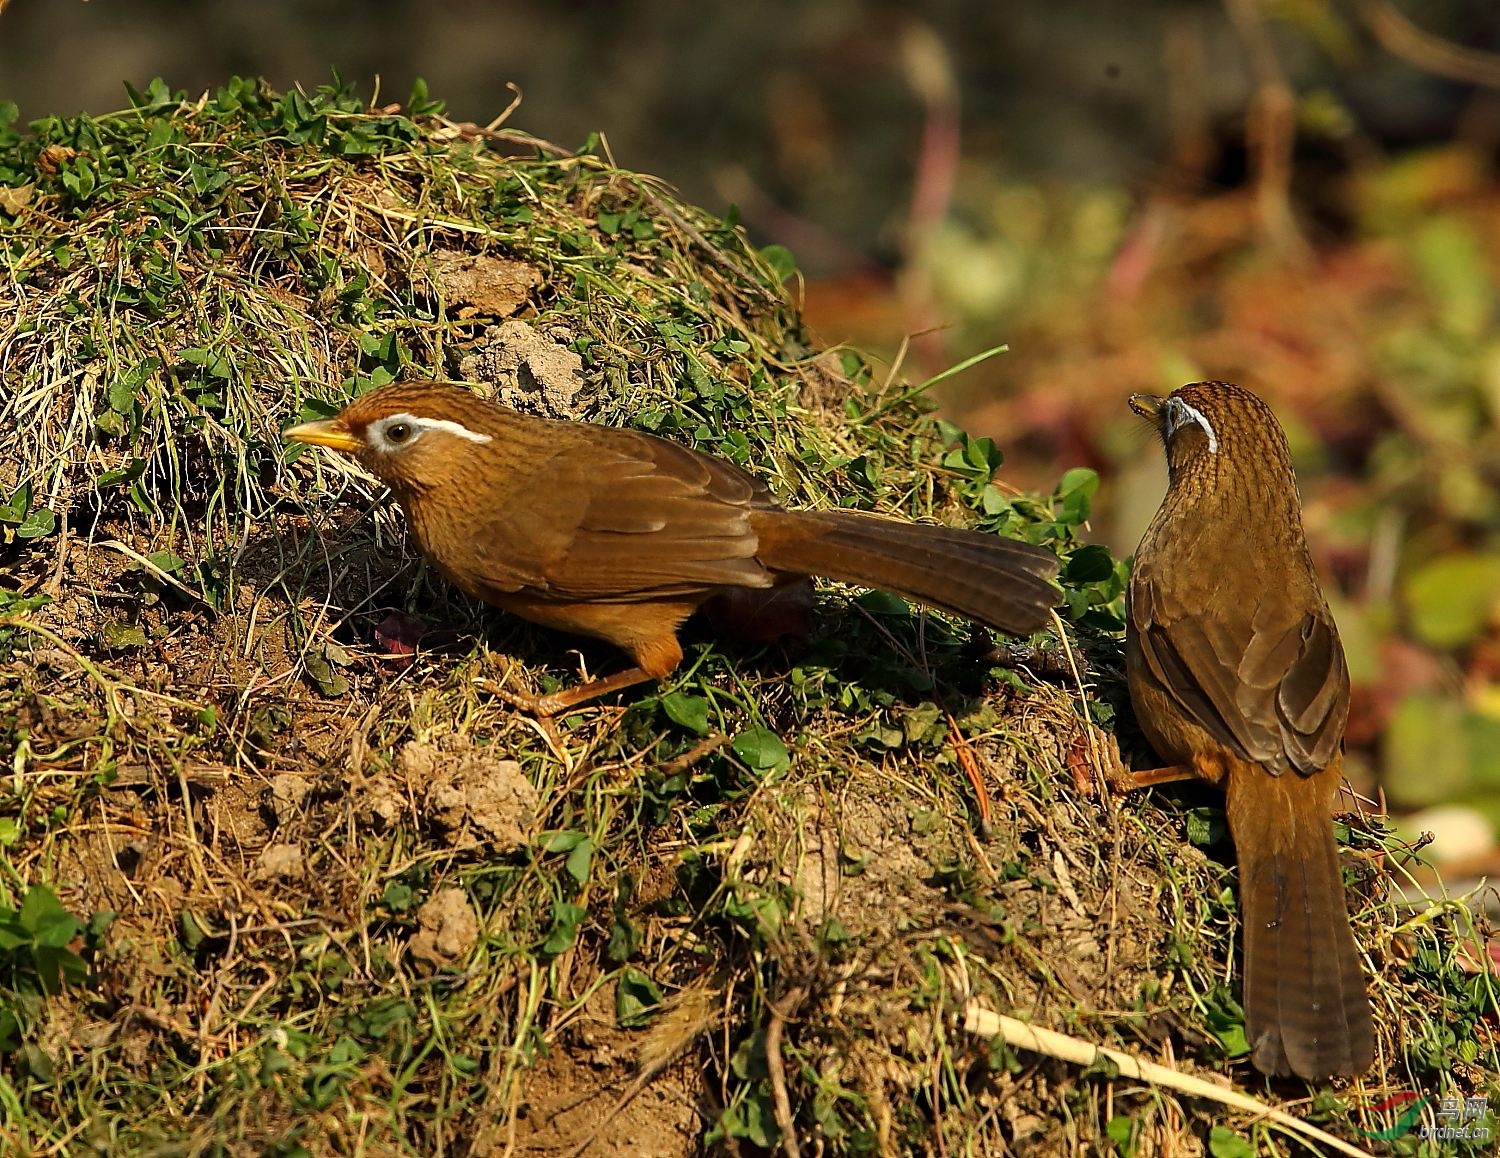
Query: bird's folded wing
626, 518
1273, 689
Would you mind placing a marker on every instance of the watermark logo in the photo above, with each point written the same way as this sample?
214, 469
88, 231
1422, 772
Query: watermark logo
1466, 1119
1458, 1119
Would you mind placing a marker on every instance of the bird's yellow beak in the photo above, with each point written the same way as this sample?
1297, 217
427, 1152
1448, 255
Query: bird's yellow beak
1148, 406
328, 432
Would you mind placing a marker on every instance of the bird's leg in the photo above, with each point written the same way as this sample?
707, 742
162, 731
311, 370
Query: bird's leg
1150, 777
646, 631
555, 703
656, 656
1120, 778
558, 702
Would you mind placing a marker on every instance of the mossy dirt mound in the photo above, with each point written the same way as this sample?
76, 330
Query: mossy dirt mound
361, 904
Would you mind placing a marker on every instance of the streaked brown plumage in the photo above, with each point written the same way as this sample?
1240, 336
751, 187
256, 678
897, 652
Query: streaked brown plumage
622, 535
1237, 674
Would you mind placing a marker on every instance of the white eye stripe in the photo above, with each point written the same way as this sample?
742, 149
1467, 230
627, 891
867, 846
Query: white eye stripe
1196, 415
421, 425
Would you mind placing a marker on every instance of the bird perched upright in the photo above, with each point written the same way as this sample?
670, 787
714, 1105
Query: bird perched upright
1237, 674
621, 535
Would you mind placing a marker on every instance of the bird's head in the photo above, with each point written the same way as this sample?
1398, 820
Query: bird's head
1218, 436
413, 436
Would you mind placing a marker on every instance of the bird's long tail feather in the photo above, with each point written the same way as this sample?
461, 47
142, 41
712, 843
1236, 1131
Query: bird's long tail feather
983, 577
1306, 1012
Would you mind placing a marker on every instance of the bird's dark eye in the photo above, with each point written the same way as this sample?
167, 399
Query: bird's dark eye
398, 432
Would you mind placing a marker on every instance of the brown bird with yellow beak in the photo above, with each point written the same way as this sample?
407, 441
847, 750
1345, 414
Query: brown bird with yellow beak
1237, 675
622, 535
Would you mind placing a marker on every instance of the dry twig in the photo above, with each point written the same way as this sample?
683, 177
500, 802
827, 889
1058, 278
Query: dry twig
987, 1023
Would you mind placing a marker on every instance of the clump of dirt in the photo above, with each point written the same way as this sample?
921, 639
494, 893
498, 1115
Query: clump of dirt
380, 804
531, 370
280, 862
471, 798
483, 284
448, 929
288, 794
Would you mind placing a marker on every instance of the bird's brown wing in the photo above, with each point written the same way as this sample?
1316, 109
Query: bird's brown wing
1274, 689
623, 516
